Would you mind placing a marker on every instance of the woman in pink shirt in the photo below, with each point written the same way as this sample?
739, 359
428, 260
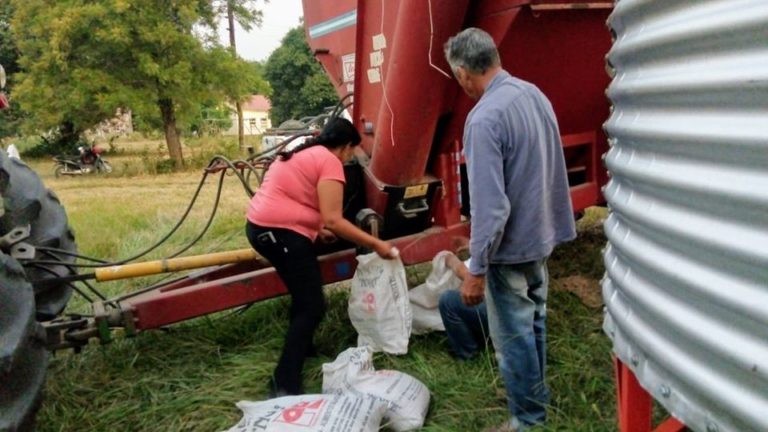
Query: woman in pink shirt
301, 196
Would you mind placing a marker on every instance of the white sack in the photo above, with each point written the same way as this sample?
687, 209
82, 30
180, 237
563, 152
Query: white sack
312, 413
425, 297
378, 304
406, 397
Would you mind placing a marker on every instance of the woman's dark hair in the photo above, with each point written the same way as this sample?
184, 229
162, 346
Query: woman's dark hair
337, 132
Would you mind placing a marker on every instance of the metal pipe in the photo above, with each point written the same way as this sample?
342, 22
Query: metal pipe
174, 265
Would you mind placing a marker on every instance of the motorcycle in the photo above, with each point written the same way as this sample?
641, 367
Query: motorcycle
88, 161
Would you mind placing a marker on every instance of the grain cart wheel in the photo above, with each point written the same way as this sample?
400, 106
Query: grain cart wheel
23, 356
27, 203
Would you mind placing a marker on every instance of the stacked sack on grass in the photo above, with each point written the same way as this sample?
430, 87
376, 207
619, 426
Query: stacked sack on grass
356, 398
406, 398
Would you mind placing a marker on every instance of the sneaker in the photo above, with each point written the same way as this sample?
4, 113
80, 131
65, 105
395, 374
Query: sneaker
276, 391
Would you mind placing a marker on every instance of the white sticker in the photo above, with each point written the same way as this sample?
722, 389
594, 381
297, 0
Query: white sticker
374, 75
377, 58
379, 42
348, 66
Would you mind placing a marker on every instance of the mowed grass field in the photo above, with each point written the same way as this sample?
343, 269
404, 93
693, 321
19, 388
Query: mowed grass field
189, 376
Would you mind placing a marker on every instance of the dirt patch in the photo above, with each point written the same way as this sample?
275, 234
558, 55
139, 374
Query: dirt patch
586, 289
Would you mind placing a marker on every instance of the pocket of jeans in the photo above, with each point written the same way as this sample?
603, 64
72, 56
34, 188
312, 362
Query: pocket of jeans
266, 239
269, 240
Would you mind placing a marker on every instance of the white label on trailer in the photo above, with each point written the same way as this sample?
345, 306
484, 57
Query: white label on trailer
348, 66
377, 58
379, 42
374, 75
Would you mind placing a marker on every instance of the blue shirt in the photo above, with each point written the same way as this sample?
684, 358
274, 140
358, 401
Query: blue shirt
520, 205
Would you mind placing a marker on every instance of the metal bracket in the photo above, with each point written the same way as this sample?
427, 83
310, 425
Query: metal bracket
14, 236
58, 329
421, 206
101, 317
23, 251
369, 220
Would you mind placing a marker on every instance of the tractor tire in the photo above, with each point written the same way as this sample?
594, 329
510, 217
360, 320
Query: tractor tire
27, 202
23, 355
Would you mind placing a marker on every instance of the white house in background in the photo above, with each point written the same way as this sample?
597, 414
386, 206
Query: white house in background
255, 116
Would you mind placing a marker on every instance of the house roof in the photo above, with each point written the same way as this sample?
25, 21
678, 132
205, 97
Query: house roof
257, 103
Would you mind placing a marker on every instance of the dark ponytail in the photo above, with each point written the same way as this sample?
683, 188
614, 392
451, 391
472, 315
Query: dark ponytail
286, 154
337, 132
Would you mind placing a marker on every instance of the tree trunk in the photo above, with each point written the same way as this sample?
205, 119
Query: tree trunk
171, 131
240, 126
233, 46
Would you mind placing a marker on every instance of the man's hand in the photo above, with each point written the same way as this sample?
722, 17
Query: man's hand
473, 289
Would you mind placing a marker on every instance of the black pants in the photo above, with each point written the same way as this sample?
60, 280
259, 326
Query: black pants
294, 258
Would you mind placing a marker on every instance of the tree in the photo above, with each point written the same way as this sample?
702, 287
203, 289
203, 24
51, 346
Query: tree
84, 60
260, 84
247, 15
299, 85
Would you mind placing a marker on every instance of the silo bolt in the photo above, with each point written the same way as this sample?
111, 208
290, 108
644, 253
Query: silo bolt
636, 361
711, 427
665, 391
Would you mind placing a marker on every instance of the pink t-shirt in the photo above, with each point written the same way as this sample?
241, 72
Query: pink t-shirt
288, 197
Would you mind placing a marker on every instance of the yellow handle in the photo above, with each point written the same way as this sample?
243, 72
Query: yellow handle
174, 264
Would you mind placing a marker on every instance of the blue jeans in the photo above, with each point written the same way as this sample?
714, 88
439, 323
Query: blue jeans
465, 326
516, 297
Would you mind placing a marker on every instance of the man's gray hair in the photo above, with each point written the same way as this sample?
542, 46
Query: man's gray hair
472, 49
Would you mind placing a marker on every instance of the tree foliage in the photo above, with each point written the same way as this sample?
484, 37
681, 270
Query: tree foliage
8, 53
260, 84
9, 118
82, 60
246, 12
299, 85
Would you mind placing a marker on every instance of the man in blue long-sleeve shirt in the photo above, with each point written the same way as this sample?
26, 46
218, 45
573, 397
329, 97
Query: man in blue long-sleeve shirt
520, 210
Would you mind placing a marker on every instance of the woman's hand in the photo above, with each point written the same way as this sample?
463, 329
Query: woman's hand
385, 249
327, 236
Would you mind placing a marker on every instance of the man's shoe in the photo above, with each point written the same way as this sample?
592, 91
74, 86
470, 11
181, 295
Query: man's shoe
504, 427
512, 425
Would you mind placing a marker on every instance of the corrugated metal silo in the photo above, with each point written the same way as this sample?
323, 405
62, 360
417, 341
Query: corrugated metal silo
686, 286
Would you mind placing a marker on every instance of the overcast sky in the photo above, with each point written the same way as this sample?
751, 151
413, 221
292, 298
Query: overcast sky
279, 17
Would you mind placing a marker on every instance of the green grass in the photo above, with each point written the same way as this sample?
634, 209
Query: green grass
188, 377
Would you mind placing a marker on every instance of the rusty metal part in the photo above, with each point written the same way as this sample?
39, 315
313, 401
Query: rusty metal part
75, 331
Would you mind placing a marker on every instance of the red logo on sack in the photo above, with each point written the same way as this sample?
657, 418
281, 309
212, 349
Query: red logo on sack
302, 414
370, 302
